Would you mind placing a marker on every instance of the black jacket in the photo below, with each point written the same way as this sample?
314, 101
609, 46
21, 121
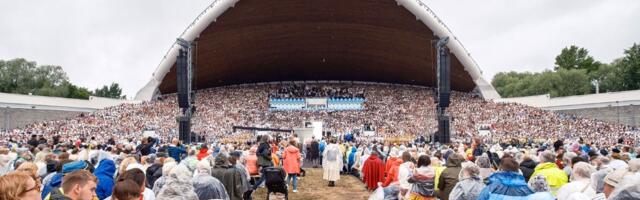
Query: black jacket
264, 155
527, 167
154, 172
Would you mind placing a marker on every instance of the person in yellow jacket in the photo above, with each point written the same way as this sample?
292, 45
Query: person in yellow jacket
556, 178
438, 168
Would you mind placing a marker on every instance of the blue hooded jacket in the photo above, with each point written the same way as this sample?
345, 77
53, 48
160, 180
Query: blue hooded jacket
176, 152
352, 157
506, 185
55, 182
105, 171
321, 146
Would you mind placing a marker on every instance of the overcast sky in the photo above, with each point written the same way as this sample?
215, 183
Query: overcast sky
123, 41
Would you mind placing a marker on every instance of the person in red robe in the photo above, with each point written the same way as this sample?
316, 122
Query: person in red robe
373, 171
392, 175
204, 152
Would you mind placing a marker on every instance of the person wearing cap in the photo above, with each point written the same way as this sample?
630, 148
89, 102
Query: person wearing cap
555, 176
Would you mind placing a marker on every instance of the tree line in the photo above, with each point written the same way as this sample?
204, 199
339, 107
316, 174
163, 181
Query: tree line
21, 76
575, 73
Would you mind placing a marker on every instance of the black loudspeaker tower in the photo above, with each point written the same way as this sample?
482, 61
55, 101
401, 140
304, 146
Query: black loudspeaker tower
182, 79
444, 77
184, 129
444, 125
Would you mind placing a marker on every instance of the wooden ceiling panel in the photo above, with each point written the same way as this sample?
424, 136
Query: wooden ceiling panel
289, 40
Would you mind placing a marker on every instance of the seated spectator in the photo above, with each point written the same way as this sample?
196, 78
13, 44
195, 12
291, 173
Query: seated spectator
507, 183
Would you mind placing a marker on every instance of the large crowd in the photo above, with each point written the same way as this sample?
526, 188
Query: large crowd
393, 111
529, 152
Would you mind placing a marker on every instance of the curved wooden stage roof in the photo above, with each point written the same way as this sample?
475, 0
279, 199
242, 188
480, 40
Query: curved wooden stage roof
295, 40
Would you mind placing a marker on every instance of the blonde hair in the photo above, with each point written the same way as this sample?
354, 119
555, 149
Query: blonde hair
14, 184
28, 167
125, 163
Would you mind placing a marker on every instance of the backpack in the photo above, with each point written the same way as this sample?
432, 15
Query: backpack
332, 154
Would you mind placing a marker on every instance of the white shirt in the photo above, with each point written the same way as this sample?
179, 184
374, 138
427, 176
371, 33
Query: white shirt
404, 173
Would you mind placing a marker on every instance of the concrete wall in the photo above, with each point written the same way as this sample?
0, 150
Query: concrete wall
629, 115
11, 118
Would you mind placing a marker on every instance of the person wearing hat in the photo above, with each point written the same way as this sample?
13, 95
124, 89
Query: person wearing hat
614, 180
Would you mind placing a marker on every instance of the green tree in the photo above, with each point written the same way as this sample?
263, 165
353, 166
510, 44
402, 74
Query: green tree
555, 83
112, 91
630, 68
26, 77
574, 57
609, 77
571, 82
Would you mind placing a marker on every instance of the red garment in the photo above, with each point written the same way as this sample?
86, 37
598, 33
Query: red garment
389, 164
291, 160
559, 163
393, 173
252, 162
203, 153
372, 171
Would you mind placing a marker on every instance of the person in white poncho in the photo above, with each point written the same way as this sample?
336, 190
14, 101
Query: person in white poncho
332, 163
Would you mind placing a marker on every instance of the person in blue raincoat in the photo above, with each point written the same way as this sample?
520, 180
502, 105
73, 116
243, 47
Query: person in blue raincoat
352, 159
507, 183
104, 172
